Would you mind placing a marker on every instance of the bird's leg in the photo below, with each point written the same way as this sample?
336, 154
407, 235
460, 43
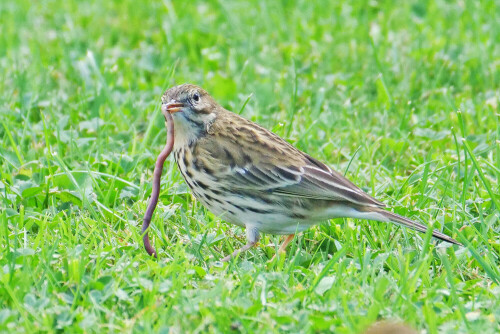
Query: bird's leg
282, 248
285, 243
252, 238
239, 251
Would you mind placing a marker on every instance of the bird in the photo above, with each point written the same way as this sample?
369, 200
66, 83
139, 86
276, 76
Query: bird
251, 177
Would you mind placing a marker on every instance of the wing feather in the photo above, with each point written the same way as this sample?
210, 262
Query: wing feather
275, 166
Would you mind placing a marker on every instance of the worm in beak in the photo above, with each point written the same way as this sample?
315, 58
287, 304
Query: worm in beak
172, 107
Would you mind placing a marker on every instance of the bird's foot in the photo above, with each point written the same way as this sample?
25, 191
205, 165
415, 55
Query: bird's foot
239, 251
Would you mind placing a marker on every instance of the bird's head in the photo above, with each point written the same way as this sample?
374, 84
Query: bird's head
192, 109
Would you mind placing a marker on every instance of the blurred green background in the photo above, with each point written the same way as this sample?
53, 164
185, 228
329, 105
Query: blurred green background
401, 96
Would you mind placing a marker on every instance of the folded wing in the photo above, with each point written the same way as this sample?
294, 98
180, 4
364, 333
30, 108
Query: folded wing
287, 172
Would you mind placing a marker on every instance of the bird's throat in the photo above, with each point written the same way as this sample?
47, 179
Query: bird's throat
189, 128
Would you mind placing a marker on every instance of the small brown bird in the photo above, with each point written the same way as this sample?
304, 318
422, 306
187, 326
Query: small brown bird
250, 177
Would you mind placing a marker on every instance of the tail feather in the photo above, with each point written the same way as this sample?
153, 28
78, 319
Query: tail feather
397, 219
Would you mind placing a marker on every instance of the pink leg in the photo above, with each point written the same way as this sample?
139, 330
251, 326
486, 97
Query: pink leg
252, 238
283, 246
239, 251
285, 243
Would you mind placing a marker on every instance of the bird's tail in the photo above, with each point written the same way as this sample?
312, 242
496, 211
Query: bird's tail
387, 216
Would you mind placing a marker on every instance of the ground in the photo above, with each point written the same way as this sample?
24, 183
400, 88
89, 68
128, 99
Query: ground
402, 98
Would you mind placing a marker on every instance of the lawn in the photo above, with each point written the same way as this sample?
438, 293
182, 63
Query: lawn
401, 97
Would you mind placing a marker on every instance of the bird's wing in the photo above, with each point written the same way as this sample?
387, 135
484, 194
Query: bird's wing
317, 180
272, 165
308, 181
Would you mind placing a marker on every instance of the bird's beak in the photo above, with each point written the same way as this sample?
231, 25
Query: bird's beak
172, 107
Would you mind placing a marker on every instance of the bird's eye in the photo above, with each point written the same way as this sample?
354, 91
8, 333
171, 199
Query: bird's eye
196, 97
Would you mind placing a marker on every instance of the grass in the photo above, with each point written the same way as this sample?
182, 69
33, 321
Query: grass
403, 99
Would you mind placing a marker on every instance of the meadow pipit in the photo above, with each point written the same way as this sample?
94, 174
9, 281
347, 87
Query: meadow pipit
251, 177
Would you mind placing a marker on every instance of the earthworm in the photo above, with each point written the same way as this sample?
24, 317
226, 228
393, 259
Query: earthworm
156, 179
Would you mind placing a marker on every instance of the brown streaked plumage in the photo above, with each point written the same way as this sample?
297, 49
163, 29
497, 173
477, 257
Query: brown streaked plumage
251, 177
